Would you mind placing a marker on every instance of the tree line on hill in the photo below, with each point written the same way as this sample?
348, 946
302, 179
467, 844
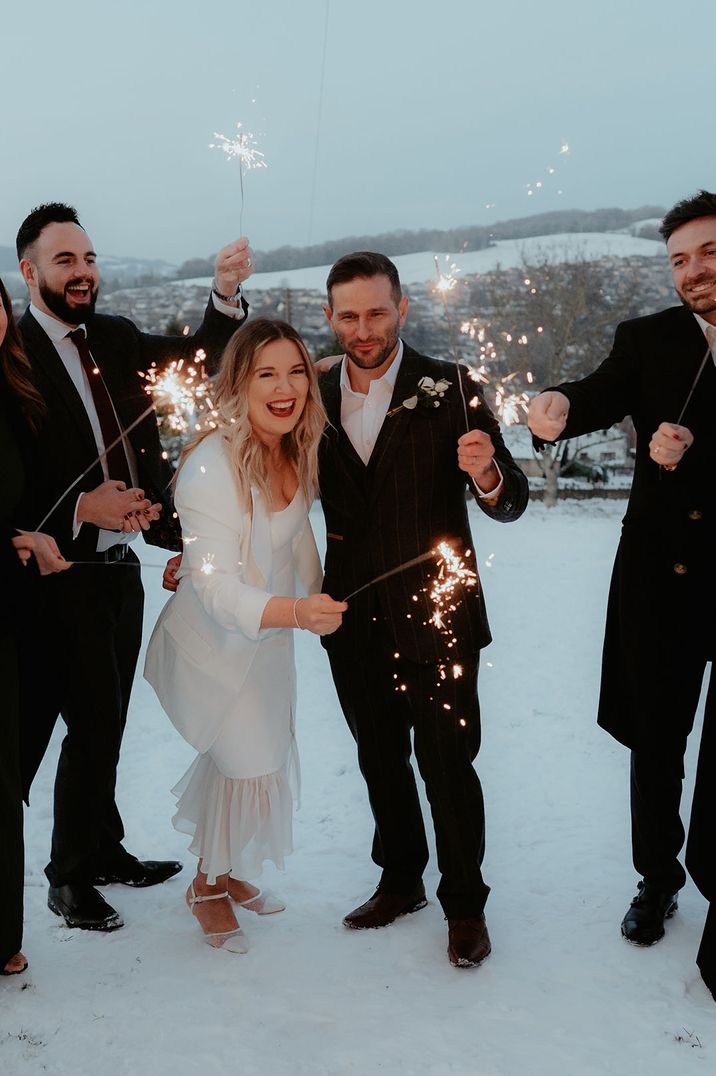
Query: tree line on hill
452, 240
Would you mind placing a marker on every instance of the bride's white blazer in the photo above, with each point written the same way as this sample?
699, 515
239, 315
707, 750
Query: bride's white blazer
206, 636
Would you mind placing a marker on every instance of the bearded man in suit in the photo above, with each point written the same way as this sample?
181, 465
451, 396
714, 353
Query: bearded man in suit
394, 475
660, 632
106, 486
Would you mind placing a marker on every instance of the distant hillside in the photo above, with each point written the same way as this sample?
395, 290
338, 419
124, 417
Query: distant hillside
129, 271
455, 240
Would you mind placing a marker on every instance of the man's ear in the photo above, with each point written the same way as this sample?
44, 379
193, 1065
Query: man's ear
403, 310
329, 314
29, 271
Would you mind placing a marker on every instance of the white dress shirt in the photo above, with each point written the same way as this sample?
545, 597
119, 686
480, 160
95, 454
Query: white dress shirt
709, 332
363, 414
58, 333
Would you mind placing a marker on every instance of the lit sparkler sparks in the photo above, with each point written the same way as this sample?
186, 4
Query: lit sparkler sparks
509, 406
243, 149
207, 564
452, 575
183, 389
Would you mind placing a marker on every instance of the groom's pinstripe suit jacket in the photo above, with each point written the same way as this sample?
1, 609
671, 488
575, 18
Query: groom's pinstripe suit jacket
411, 496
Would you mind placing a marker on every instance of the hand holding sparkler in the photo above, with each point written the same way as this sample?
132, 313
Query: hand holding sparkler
141, 520
548, 415
44, 549
169, 576
234, 264
669, 443
475, 452
111, 504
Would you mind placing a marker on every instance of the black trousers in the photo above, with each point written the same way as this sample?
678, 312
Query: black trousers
701, 845
11, 843
93, 622
656, 783
382, 698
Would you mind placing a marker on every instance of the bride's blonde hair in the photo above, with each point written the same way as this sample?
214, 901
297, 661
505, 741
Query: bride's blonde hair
247, 454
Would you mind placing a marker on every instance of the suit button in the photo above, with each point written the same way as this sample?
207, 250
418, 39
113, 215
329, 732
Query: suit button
695, 514
680, 569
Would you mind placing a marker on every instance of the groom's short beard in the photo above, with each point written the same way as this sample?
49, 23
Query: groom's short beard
57, 303
372, 364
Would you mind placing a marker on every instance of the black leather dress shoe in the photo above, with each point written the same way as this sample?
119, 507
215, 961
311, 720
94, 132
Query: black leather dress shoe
83, 907
138, 873
643, 923
383, 908
468, 942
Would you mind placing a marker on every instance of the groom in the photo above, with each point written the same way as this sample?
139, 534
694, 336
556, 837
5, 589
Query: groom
395, 466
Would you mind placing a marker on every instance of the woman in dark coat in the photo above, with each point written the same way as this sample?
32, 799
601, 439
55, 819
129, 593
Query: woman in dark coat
20, 412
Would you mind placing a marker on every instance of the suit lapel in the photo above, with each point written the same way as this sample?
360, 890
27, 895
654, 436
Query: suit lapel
687, 342
49, 366
395, 426
331, 395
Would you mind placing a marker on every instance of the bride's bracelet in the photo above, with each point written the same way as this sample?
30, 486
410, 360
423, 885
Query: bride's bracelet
295, 617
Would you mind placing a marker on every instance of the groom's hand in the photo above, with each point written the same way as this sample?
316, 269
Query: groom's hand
474, 456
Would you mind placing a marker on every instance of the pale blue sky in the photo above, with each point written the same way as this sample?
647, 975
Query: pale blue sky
430, 111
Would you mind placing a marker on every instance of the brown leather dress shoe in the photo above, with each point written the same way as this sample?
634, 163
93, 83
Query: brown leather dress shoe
468, 942
383, 908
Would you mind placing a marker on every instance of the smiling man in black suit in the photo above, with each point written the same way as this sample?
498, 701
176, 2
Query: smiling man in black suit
86, 367
660, 633
396, 464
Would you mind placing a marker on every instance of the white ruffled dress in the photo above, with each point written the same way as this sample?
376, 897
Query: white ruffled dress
238, 822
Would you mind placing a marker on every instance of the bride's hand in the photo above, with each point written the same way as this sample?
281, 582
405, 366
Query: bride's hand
319, 613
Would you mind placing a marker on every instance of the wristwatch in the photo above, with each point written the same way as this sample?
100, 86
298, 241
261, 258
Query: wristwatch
227, 298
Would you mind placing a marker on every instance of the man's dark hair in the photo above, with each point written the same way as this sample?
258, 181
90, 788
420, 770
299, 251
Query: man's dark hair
365, 264
702, 204
36, 221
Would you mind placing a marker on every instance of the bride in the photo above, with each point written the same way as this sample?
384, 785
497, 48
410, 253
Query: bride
221, 655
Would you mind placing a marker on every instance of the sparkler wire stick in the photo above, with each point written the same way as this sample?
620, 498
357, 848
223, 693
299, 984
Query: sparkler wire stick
694, 384
393, 571
444, 284
244, 149
95, 461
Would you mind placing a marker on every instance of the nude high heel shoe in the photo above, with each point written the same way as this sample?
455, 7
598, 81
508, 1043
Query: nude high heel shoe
263, 903
234, 941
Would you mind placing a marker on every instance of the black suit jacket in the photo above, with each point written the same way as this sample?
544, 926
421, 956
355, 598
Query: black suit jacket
65, 446
411, 496
660, 620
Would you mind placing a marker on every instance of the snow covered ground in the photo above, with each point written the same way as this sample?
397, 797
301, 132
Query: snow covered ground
561, 995
505, 254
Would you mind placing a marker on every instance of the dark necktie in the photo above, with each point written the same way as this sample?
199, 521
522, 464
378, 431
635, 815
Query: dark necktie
117, 463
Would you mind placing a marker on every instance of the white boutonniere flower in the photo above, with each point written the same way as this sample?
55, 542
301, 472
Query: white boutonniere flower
429, 395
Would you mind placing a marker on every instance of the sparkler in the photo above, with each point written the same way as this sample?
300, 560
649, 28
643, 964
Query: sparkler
183, 387
443, 286
393, 571
243, 149
452, 575
100, 456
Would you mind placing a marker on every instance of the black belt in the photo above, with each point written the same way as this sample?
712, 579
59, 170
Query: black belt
114, 553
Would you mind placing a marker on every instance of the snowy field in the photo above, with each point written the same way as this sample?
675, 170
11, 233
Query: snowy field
505, 254
561, 995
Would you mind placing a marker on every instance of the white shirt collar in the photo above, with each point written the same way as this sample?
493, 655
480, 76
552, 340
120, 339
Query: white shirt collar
388, 379
706, 327
56, 330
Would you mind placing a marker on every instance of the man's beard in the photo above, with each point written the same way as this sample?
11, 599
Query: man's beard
704, 302
364, 363
57, 303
